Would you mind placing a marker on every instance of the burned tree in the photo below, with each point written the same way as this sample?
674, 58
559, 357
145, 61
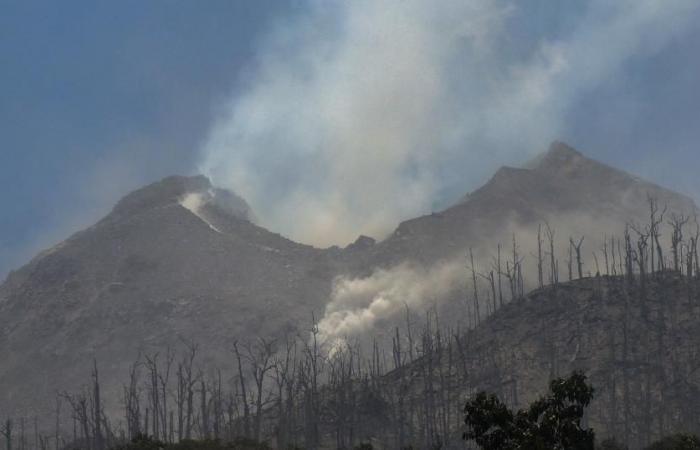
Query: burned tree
576, 246
553, 267
244, 391
677, 223
475, 290
655, 221
6, 431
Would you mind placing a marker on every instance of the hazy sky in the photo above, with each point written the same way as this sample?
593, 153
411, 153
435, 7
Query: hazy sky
291, 102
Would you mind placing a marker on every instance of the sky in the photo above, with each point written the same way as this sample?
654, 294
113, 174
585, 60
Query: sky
331, 118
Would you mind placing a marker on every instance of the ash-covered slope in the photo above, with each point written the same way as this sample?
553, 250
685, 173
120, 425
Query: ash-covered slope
576, 195
180, 259
637, 341
174, 260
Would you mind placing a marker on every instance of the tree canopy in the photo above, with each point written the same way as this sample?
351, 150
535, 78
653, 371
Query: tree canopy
552, 422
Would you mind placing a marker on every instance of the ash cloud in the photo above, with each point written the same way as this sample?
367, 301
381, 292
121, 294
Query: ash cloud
358, 114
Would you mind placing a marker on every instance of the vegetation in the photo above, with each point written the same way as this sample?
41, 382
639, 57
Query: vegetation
552, 422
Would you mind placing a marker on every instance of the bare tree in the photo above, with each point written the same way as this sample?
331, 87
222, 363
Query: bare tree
497, 268
57, 427
163, 379
260, 358
132, 401
554, 272
540, 270
203, 409
151, 363
605, 255
22, 441
244, 394
655, 221
84, 417
475, 290
187, 380
313, 366
7, 432
97, 408
285, 373
576, 245
677, 223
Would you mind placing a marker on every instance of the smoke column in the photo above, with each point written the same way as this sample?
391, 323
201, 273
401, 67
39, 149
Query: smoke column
355, 115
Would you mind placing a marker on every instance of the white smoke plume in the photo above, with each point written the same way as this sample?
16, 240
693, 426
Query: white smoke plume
359, 304
363, 306
360, 113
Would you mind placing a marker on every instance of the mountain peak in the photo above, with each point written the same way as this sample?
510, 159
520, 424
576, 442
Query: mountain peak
166, 191
185, 190
559, 157
559, 149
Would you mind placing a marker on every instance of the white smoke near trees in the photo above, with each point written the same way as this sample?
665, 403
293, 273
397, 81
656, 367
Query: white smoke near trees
358, 114
359, 304
362, 306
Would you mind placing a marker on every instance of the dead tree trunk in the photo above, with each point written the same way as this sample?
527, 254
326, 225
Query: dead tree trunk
203, 409
498, 273
605, 255
57, 424
132, 405
677, 223
540, 270
97, 412
7, 432
154, 388
244, 392
553, 274
577, 248
260, 358
163, 378
477, 314
189, 383
655, 221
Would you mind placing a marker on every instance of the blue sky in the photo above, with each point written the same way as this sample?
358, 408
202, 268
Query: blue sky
98, 98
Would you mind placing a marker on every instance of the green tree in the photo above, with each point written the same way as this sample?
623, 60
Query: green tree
553, 422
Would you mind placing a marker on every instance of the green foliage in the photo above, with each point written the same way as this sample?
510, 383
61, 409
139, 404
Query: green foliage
147, 443
552, 422
677, 442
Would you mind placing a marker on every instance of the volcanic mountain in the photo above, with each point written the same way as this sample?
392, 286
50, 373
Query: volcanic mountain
180, 260
175, 260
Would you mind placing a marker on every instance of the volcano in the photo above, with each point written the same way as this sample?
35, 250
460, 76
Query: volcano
182, 261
